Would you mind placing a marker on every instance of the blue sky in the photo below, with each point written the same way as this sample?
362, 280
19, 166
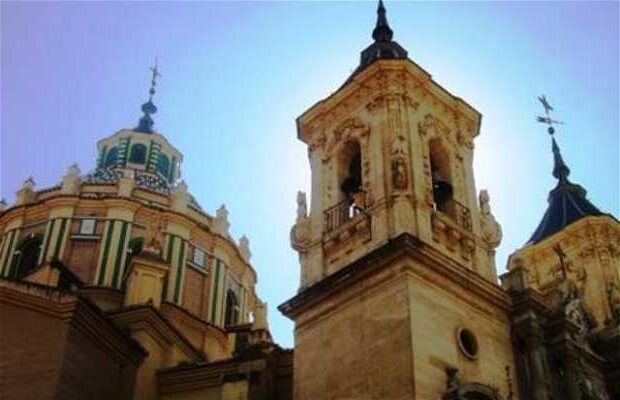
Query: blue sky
237, 74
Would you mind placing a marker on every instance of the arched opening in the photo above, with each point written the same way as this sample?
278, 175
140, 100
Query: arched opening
441, 176
163, 165
111, 158
350, 175
137, 155
27, 259
231, 316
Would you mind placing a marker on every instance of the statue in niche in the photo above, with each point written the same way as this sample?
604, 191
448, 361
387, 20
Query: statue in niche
491, 229
399, 173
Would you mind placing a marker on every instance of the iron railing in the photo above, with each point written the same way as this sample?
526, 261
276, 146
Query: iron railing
340, 214
457, 212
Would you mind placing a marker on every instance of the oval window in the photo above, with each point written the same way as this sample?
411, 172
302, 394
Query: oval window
468, 343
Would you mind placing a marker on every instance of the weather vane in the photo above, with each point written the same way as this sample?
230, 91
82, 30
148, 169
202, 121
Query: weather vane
547, 120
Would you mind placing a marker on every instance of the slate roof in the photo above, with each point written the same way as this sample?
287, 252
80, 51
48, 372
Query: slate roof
567, 202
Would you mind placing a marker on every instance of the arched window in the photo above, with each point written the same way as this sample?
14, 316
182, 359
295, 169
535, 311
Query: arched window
441, 176
350, 172
137, 155
163, 165
231, 316
28, 256
111, 158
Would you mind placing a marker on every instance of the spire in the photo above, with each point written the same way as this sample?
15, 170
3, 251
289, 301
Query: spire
383, 47
382, 31
560, 170
567, 201
145, 124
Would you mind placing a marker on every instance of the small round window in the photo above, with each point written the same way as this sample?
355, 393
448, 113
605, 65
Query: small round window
467, 342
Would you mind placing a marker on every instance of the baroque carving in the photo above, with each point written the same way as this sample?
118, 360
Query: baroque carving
352, 128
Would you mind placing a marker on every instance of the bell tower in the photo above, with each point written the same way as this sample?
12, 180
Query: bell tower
398, 278
391, 152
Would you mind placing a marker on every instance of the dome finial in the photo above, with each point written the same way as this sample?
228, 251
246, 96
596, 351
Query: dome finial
146, 122
382, 31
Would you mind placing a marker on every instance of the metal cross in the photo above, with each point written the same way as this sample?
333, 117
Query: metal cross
156, 73
561, 255
547, 120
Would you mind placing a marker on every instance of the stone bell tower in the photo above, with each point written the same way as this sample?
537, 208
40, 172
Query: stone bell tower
398, 279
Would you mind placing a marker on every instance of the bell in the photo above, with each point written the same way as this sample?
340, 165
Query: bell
350, 186
442, 191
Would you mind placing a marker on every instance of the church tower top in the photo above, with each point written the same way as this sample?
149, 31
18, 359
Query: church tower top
567, 201
384, 48
382, 32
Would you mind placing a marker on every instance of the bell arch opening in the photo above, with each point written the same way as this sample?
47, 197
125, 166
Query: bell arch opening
441, 176
350, 174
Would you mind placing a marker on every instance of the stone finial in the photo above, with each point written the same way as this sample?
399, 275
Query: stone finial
71, 180
28, 184
126, 183
244, 248
260, 315
179, 198
26, 194
73, 170
220, 223
2, 204
491, 229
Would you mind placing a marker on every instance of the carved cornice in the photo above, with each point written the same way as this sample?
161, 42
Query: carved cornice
387, 77
404, 245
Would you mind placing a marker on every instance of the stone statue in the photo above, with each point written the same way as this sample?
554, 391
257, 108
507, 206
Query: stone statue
300, 232
491, 229
302, 207
399, 173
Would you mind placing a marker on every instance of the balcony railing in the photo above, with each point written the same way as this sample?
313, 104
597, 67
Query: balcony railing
339, 215
457, 212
